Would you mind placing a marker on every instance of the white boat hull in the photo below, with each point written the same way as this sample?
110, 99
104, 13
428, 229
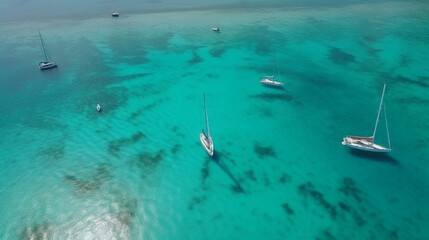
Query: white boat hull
207, 144
271, 83
47, 65
364, 144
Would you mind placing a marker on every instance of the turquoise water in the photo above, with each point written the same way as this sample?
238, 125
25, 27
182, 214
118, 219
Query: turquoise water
137, 169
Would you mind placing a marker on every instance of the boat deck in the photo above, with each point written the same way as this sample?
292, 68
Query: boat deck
364, 144
206, 144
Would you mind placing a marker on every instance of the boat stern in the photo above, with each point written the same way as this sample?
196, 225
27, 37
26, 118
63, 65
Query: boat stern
345, 141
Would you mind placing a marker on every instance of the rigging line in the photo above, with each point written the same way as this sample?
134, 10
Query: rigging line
387, 128
379, 110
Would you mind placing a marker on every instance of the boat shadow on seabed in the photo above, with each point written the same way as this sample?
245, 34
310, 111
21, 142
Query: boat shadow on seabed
217, 159
374, 156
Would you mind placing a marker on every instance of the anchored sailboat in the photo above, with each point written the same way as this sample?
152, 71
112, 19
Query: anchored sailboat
206, 140
269, 80
46, 64
367, 143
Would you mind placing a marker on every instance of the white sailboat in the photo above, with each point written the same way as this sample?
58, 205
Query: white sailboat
367, 143
98, 107
269, 80
46, 64
206, 140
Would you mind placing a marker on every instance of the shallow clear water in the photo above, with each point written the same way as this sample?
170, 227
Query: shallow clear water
137, 170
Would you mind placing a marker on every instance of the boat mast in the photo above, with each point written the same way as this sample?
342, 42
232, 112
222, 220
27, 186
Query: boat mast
207, 120
378, 115
278, 70
43, 46
274, 66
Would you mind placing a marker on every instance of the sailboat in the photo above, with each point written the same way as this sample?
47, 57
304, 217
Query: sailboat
367, 143
98, 107
206, 140
269, 80
46, 64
